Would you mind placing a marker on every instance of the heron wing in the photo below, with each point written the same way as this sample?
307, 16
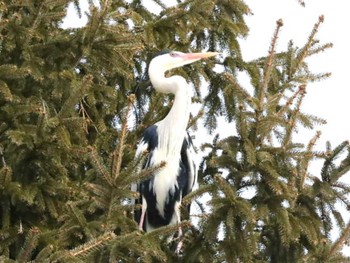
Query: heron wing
188, 158
148, 142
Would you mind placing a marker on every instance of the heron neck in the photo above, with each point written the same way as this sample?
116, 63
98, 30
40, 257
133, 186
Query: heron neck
173, 126
179, 113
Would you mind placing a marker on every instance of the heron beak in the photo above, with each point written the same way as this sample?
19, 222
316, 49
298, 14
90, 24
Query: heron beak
182, 59
197, 56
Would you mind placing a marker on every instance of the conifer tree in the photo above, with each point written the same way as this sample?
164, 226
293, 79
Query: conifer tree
73, 103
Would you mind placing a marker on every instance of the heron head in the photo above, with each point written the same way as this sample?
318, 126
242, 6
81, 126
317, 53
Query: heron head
168, 60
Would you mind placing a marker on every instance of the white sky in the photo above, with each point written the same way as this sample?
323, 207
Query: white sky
327, 99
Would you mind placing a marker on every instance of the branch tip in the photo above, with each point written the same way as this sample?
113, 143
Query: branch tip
279, 22
321, 18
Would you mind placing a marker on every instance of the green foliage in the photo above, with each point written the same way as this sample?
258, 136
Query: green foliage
67, 141
289, 213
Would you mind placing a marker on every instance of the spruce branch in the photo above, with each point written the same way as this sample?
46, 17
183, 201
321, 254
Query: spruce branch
86, 118
193, 120
307, 158
35, 23
238, 90
269, 64
143, 174
302, 92
321, 49
169, 229
30, 244
293, 119
78, 215
290, 101
99, 165
118, 153
310, 42
187, 200
227, 189
77, 8
339, 243
95, 23
79, 87
344, 166
92, 245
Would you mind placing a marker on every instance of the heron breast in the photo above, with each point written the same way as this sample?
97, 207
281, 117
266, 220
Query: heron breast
165, 183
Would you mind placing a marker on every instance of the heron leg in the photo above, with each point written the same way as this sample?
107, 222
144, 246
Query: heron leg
179, 245
177, 212
143, 213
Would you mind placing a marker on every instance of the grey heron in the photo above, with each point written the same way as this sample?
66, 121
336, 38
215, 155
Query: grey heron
167, 141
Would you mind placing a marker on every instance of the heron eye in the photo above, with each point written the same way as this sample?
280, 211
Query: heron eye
174, 54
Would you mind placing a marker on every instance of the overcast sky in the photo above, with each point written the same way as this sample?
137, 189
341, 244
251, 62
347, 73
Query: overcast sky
327, 99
